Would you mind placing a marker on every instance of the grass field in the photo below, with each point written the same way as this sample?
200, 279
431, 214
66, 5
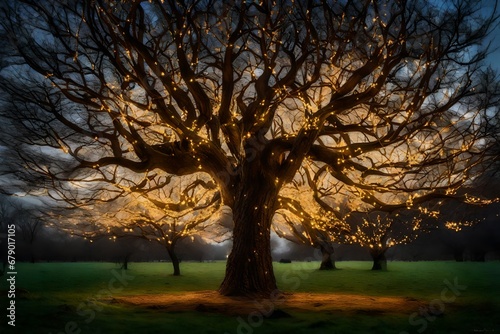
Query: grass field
82, 298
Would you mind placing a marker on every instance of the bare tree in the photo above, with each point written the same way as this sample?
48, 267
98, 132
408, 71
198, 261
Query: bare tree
380, 92
24, 220
29, 225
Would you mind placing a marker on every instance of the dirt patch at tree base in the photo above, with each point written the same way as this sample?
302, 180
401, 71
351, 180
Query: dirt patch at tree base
211, 301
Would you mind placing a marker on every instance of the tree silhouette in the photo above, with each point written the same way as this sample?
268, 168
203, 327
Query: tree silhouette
382, 93
29, 225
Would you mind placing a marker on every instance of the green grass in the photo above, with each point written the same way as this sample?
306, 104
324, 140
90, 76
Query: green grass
54, 295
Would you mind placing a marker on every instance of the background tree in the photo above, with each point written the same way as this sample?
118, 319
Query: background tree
29, 225
377, 232
317, 218
380, 92
300, 219
301, 230
181, 208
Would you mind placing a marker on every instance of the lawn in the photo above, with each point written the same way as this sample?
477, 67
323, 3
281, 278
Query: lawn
433, 297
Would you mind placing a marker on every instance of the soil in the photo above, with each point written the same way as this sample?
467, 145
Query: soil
212, 301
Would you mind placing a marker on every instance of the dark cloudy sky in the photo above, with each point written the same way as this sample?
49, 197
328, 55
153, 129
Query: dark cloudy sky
494, 58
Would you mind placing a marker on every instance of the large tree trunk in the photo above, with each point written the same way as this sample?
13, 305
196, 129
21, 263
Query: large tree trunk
175, 261
327, 261
249, 268
379, 260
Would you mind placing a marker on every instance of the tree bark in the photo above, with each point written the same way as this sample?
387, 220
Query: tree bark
175, 261
379, 260
249, 268
327, 261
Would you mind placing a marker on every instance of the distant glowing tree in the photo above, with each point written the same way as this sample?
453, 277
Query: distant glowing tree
301, 219
178, 210
378, 232
381, 92
294, 223
316, 218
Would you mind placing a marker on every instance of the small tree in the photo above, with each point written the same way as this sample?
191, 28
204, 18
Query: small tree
378, 232
179, 209
300, 219
301, 230
29, 224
